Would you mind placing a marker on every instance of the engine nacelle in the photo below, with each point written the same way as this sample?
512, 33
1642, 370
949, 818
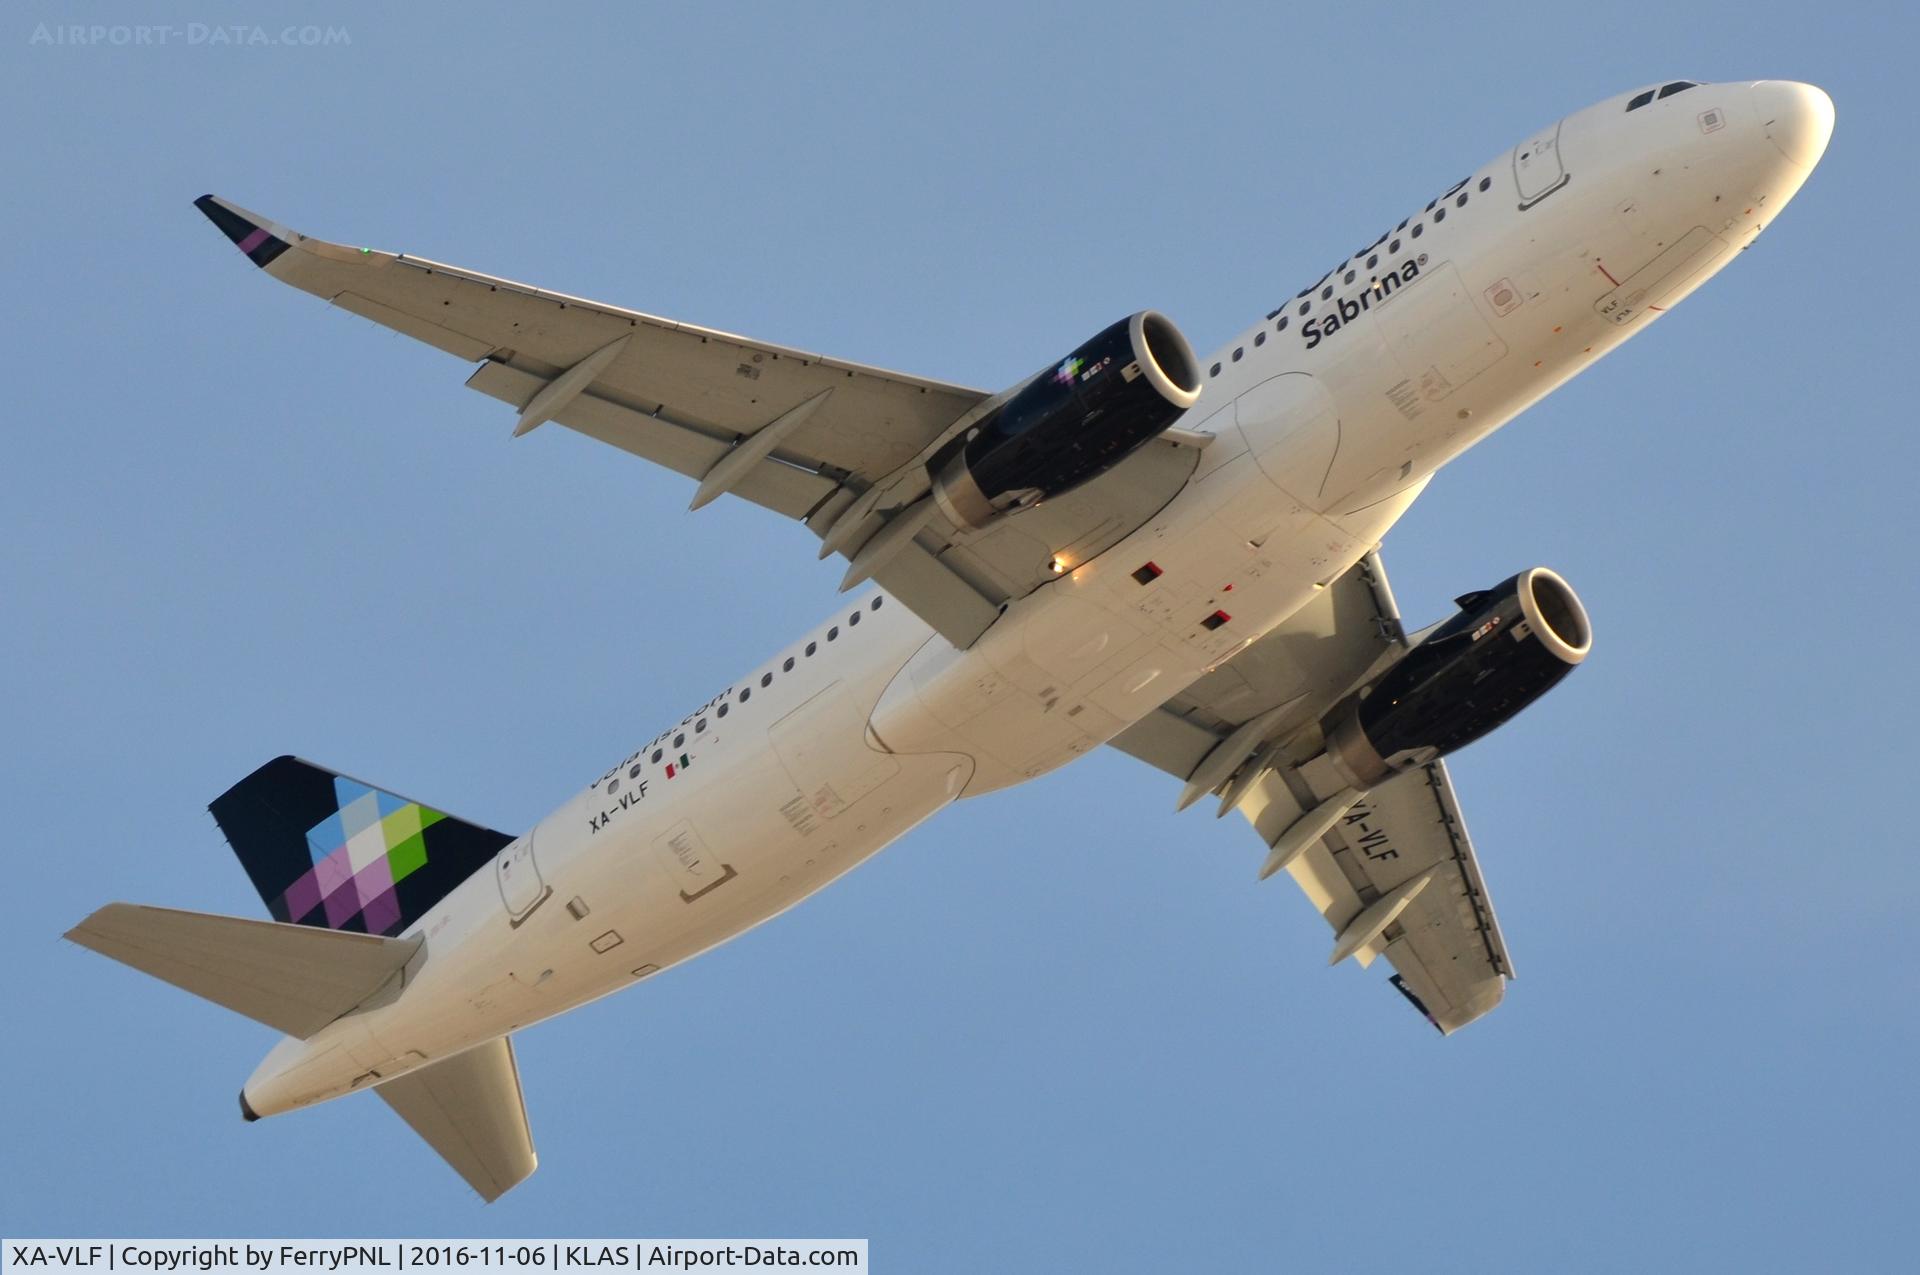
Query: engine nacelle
1073, 422
1505, 649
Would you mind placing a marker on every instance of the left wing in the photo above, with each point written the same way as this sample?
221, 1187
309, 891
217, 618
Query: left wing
1394, 874
839, 445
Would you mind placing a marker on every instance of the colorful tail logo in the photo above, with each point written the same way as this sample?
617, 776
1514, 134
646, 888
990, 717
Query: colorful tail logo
326, 850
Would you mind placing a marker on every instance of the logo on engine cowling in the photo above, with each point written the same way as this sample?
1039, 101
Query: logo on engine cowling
1078, 370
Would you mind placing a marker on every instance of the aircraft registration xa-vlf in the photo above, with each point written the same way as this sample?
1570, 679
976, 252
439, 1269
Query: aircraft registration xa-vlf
1134, 546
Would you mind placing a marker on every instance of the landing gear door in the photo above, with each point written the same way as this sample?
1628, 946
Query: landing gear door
521, 888
1537, 170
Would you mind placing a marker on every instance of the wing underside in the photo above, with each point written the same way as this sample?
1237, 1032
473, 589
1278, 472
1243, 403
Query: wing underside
839, 446
1401, 851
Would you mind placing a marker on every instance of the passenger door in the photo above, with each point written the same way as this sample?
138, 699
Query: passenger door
1537, 169
518, 875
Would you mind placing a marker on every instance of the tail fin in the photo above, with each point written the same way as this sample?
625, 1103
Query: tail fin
469, 1109
293, 979
329, 851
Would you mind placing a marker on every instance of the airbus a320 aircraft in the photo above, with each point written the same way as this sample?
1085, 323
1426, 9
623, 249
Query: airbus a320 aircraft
1173, 555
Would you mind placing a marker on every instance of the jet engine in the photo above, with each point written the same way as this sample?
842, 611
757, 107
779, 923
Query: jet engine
1504, 649
1070, 423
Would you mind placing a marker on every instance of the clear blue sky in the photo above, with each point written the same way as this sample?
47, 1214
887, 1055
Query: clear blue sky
1061, 1028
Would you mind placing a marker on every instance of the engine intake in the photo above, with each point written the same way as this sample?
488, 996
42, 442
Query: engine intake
1071, 423
1505, 648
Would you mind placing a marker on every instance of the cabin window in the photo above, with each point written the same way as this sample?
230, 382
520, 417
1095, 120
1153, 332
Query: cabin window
1640, 100
1678, 86
811, 648
786, 665
1237, 352
1326, 293
746, 693
699, 726
656, 754
1461, 201
1215, 370
1486, 183
833, 633
1282, 325
766, 680
1417, 227
679, 740
1259, 338
853, 618
721, 711
1373, 261
1439, 214
1348, 277
877, 602
1304, 307
1393, 247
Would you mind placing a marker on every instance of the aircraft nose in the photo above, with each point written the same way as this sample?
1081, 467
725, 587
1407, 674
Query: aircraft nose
1798, 118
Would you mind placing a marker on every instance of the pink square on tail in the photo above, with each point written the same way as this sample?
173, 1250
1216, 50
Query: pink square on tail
373, 880
333, 871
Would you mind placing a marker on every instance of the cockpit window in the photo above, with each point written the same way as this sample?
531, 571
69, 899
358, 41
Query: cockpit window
1678, 86
1640, 100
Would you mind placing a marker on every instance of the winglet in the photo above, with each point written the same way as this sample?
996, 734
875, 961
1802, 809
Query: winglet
260, 239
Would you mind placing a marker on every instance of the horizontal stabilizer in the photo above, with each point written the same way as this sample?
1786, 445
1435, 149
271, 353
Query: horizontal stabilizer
469, 1109
295, 978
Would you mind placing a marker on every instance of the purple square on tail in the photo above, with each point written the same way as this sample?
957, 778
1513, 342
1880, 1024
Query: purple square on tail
303, 896
341, 905
382, 914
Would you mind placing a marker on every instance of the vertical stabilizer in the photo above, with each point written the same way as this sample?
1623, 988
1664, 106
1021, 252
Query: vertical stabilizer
329, 851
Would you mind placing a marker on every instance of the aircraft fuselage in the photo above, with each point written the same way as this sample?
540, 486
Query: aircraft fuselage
1328, 417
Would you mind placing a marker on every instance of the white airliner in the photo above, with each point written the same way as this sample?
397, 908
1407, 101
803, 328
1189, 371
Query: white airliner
1134, 546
